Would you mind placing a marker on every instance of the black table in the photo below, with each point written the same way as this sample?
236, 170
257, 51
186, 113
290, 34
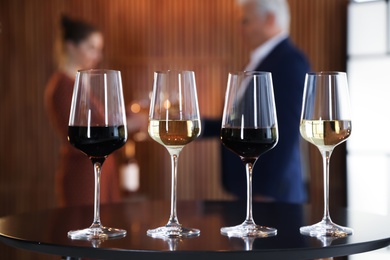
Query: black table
46, 231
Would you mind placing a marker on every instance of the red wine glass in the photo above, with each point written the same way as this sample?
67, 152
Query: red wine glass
97, 127
249, 129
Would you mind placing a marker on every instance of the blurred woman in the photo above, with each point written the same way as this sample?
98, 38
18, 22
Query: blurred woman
79, 47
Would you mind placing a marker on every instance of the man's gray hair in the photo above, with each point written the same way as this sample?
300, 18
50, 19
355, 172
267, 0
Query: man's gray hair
279, 8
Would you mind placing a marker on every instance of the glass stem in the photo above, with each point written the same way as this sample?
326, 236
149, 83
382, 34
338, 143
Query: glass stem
173, 217
249, 214
325, 159
97, 166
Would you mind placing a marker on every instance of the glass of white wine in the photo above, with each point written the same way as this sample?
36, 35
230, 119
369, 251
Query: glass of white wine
174, 121
326, 122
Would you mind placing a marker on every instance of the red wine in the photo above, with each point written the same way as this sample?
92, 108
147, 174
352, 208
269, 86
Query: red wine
249, 143
97, 141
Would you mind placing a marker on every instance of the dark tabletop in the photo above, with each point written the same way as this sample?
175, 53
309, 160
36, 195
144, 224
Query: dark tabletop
46, 231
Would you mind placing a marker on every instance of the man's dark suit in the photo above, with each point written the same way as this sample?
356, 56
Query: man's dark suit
277, 173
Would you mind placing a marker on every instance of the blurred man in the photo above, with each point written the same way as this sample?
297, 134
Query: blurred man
277, 175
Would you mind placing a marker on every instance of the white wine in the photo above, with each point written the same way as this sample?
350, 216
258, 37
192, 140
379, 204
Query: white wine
174, 132
325, 133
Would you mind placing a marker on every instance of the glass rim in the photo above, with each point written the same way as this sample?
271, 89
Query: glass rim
178, 71
249, 73
98, 71
326, 73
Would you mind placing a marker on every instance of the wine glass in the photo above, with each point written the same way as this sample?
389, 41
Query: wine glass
326, 122
249, 129
97, 127
174, 122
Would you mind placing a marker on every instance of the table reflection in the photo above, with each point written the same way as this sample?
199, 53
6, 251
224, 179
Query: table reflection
46, 231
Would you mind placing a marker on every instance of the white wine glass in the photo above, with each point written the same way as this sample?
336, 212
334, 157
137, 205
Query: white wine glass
97, 127
326, 122
174, 121
249, 129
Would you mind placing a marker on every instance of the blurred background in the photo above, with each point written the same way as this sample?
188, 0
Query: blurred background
141, 37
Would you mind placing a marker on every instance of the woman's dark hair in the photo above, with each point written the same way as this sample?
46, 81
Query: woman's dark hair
75, 30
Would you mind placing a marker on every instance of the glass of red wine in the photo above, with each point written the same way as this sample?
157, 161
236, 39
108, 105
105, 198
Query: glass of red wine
97, 127
249, 129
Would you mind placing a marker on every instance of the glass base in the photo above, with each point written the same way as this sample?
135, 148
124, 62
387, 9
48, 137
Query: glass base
93, 233
248, 230
326, 228
172, 232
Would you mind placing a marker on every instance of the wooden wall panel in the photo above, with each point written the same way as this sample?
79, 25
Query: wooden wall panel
140, 37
